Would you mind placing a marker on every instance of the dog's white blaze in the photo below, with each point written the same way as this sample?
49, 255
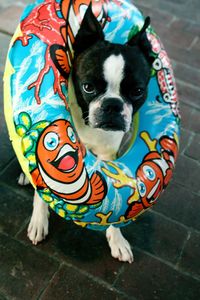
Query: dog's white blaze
113, 71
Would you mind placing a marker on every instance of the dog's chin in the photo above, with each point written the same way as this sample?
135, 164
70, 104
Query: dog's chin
110, 126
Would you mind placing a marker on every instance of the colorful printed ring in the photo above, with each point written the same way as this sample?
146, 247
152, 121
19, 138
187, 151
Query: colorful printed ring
78, 186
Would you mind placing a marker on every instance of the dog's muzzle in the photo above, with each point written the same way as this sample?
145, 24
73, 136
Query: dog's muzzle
108, 115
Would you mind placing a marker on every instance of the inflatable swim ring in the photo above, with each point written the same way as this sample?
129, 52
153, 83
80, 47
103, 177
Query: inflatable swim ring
75, 184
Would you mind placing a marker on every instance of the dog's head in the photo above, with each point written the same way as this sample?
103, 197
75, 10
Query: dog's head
110, 80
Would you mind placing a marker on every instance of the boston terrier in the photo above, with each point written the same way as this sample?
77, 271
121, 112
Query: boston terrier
109, 82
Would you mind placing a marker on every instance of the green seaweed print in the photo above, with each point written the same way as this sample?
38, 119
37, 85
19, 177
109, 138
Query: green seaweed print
29, 133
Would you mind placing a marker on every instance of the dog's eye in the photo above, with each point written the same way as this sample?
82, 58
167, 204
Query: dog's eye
137, 92
88, 88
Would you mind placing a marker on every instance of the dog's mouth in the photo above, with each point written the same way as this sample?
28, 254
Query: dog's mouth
112, 126
109, 123
66, 160
112, 115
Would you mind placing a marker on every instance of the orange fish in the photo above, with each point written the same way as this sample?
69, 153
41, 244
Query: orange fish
61, 166
154, 174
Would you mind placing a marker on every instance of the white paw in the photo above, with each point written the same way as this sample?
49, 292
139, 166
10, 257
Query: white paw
39, 223
23, 179
120, 247
38, 229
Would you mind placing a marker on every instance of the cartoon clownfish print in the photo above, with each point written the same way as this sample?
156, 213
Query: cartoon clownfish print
61, 168
154, 174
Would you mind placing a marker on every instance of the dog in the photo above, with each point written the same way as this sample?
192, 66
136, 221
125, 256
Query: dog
110, 83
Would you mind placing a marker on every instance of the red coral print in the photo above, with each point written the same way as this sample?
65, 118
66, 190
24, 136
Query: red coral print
44, 23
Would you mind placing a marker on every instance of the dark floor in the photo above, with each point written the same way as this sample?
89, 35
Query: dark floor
74, 263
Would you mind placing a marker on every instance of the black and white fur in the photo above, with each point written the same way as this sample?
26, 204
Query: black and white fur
109, 84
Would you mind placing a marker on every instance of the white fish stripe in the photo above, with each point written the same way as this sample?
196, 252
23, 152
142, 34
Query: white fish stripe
73, 22
162, 164
152, 192
82, 199
70, 44
64, 188
69, 60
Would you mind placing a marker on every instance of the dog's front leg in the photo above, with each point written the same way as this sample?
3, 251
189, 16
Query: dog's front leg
120, 247
39, 223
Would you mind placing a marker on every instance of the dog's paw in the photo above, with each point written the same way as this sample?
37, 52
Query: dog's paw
38, 228
119, 246
23, 179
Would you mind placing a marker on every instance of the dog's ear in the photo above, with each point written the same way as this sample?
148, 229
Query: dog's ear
89, 33
141, 40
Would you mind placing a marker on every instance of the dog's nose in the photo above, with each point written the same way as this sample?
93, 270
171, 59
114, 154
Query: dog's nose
112, 105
